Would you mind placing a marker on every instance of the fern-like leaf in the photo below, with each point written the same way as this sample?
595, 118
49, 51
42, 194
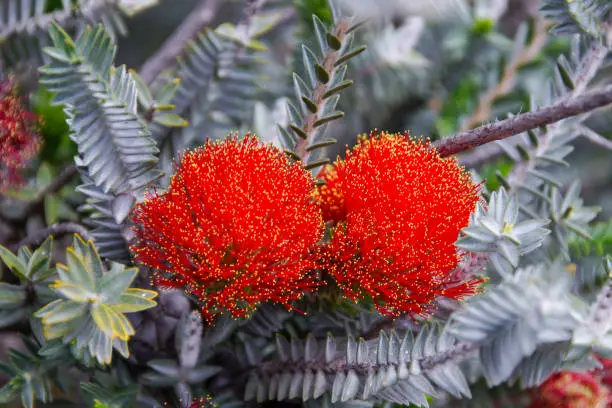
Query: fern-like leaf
24, 25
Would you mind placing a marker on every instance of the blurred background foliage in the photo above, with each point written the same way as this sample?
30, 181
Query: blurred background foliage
433, 67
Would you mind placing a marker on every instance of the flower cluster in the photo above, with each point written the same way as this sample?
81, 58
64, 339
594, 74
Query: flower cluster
236, 227
569, 389
19, 142
240, 225
398, 209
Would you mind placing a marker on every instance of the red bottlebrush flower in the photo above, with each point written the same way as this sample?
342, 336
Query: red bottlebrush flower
570, 390
235, 228
605, 372
19, 142
328, 196
402, 207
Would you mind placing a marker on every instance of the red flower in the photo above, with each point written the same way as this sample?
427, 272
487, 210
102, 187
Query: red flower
399, 210
19, 142
235, 228
605, 372
328, 196
569, 390
202, 402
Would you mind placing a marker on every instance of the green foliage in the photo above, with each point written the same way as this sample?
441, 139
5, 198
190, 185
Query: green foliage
545, 306
460, 102
599, 243
34, 271
309, 8
90, 311
482, 26
25, 24
509, 325
30, 378
180, 374
496, 231
117, 156
102, 104
577, 16
317, 96
490, 171
399, 368
102, 397
57, 146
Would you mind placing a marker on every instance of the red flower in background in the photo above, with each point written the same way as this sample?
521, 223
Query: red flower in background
203, 402
235, 228
569, 389
19, 142
399, 209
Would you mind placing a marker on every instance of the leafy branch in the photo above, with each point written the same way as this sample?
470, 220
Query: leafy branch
524, 122
322, 72
398, 368
317, 98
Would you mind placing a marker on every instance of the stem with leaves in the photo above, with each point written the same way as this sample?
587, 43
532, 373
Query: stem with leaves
518, 124
591, 64
318, 95
328, 64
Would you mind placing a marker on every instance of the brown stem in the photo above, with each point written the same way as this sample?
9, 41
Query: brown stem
526, 121
55, 230
591, 63
340, 31
174, 46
